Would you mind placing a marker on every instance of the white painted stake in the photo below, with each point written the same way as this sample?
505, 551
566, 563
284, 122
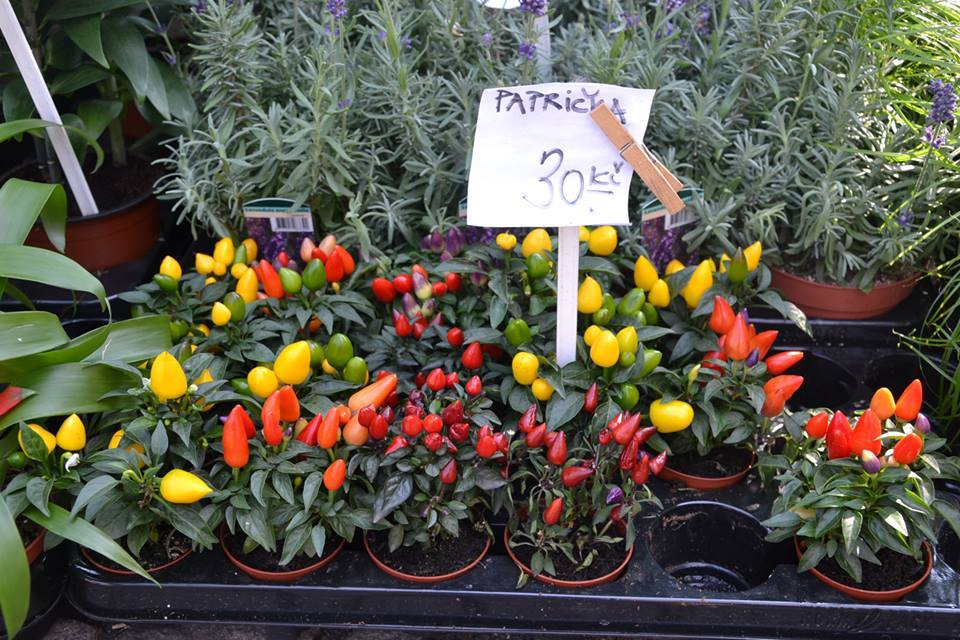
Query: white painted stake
568, 281
27, 64
544, 67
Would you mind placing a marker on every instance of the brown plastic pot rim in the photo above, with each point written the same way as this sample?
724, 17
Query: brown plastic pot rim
279, 576
35, 548
704, 482
124, 572
400, 575
868, 594
907, 281
567, 584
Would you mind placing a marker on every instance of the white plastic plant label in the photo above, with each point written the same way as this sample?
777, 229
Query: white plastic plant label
501, 4
539, 160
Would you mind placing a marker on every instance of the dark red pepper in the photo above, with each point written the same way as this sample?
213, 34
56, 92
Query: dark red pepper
486, 446
308, 435
379, 427
590, 399
459, 432
398, 443
365, 415
551, 514
419, 327
453, 379
641, 471
658, 463
401, 325
452, 413
437, 380
448, 475
628, 457
557, 453
472, 357
455, 337
623, 433
605, 436
474, 386
642, 435
453, 282
535, 436
572, 476
433, 441
528, 419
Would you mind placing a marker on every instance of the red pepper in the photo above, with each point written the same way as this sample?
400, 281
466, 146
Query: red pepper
433, 441
535, 436
389, 403
383, 290
866, 434
379, 427
9, 398
283, 258
448, 475
721, 320
420, 379
605, 436
455, 337
451, 448
641, 472
736, 342
817, 425
432, 423
329, 431
403, 283
419, 327
439, 289
270, 417
909, 402
572, 476
780, 362
658, 463
240, 414
236, 448
288, 403
908, 449
271, 281
335, 474
838, 436
452, 413
412, 426
486, 446
623, 433
551, 514
418, 268
616, 420
628, 457
557, 452
472, 357
644, 434
777, 391
616, 517
398, 443
459, 432
503, 445
436, 380
401, 325
349, 265
308, 435
590, 399
485, 430
474, 386
528, 419
319, 254
334, 267
453, 282
763, 341
365, 415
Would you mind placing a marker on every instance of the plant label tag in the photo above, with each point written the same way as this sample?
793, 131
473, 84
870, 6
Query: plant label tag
539, 160
276, 225
500, 4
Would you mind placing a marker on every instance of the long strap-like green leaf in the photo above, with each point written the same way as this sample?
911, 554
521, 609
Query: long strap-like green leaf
48, 267
15, 584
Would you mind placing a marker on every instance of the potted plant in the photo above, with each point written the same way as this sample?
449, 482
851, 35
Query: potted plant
860, 501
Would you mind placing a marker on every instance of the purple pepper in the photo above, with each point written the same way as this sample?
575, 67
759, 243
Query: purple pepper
871, 463
752, 358
446, 255
922, 423
455, 241
614, 496
410, 306
429, 308
435, 242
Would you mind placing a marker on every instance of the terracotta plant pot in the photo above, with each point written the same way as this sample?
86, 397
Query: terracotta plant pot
866, 595
123, 572
705, 483
567, 584
833, 302
134, 124
35, 548
424, 579
279, 576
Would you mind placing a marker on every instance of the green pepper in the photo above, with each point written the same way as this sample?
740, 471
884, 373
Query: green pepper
606, 312
339, 350
16, 460
651, 314
632, 303
355, 370
517, 332
178, 329
240, 385
291, 281
537, 266
737, 268
240, 254
627, 359
316, 354
628, 397
238, 308
137, 310
166, 283
651, 359
314, 275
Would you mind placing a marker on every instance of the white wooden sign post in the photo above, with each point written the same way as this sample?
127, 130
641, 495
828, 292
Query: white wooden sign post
37, 88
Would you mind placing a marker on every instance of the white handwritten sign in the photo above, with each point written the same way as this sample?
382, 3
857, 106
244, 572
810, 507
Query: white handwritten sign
539, 159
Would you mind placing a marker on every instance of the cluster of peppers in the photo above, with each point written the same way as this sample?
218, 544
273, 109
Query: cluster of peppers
296, 361
625, 431
865, 439
419, 301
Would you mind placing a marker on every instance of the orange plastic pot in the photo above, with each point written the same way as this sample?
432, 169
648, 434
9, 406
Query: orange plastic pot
35, 548
567, 584
123, 572
866, 595
833, 302
704, 483
400, 575
279, 576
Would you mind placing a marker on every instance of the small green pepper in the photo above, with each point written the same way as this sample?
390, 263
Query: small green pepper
651, 314
314, 275
737, 268
291, 281
628, 396
632, 303
517, 332
166, 283
236, 305
651, 359
537, 266
606, 312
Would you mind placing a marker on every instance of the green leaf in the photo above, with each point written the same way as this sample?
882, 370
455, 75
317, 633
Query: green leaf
78, 78
394, 492
134, 340
126, 48
850, 525
17, 103
812, 556
48, 267
98, 114
15, 586
785, 519
63, 9
16, 127
560, 411
787, 309
25, 333
92, 489
85, 33
38, 493
61, 523
949, 513
894, 519
22, 202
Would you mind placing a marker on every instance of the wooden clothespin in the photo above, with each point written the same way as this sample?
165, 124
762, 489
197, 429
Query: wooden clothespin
663, 184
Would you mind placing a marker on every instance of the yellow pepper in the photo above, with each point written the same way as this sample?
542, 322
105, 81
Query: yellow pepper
752, 254
204, 263
203, 378
220, 314
536, 241
589, 296
645, 274
659, 295
603, 240
673, 266
219, 268
251, 248
170, 267
672, 416
329, 369
262, 381
48, 438
209, 281
697, 285
223, 251
115, 442
724, 259
238, 269
605, 350
72, 435
506, 241
183, 487
590, 335
167, 379
247, 285
293, 363
525, 366
541, 389
628, 340
584, 234
204, 329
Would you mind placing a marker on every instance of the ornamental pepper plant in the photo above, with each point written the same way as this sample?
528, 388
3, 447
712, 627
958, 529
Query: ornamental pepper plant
856, 493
